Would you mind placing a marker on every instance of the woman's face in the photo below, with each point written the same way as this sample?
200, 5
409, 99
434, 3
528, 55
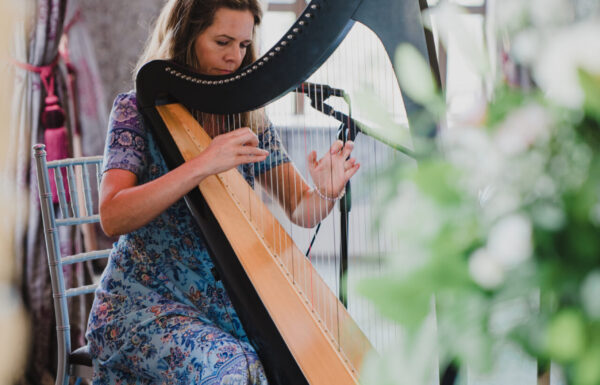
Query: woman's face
221, 48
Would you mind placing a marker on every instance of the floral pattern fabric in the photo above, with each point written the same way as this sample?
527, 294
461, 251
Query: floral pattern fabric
159, 315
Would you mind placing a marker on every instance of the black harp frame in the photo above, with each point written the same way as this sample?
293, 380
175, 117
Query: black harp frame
303, 48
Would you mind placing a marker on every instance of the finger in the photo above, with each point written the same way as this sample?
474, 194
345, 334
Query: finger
250, 158
336, 147
348, 147
247, 138
349, 163
312, 159
241, 130
351, 171
249, 150
237, 132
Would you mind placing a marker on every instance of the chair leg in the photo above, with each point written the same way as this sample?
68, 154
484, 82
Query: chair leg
62, 378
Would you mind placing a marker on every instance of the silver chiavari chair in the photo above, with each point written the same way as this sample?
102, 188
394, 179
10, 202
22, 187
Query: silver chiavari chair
75, 179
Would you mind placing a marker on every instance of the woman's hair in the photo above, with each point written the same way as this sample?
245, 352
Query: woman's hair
182, 21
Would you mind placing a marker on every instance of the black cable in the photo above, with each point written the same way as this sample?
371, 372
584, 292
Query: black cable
313, 239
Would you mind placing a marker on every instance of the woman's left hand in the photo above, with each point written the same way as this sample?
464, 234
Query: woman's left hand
332, 171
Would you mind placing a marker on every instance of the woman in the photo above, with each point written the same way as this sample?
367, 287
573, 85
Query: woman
159, 315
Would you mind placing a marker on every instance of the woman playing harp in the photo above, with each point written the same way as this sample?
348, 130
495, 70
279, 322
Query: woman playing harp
160, 316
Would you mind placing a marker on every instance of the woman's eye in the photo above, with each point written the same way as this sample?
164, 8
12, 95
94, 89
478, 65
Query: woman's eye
222, 43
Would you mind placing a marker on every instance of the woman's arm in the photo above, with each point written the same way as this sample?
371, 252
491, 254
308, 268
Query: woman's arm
126, 206
301, 203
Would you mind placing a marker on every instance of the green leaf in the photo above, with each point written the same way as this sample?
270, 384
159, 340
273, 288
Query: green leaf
414, 75
382, 127
506, 100
587, 369
439, 180
403, 301
566, 336
591, 88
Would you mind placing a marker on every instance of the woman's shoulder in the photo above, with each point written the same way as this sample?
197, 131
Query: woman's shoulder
127, 100
125, 112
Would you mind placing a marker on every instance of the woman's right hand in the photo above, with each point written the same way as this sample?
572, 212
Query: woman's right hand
230, 150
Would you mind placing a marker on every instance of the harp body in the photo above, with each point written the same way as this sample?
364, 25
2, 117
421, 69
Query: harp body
296, 344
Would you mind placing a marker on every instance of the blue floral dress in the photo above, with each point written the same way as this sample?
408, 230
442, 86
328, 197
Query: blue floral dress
159, 316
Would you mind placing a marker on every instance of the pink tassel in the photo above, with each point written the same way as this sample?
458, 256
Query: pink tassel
56, 140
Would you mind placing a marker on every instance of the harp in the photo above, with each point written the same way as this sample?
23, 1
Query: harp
299, 338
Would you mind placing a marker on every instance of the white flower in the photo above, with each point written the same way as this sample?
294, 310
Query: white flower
590, 290
485, 270
525, 46
499, 202
449, 20
470, 149
549, 12
509, 14
509, 241
412, 213
522, 128
568, 50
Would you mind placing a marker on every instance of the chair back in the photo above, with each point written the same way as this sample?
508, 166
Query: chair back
72, 183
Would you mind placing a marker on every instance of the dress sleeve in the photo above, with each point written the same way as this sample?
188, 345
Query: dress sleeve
126, 141
269, 140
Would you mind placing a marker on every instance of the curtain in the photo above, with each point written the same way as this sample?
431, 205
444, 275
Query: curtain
37, 44
12, 318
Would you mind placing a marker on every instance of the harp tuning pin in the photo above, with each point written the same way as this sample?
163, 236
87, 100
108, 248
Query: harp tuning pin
220, 81
301, 22
271, 54
290, 37
238, 77
284, 43
255, 67
226, 81
296, 30
167, 69
314, 6
277, 49
260, 63
265, 59
308, 15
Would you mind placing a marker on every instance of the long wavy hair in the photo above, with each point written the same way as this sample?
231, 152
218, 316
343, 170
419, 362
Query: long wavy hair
179, 24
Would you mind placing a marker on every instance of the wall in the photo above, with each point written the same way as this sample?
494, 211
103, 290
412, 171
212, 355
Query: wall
118, 30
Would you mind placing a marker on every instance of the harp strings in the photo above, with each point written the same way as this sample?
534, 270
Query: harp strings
361, 59
311, 130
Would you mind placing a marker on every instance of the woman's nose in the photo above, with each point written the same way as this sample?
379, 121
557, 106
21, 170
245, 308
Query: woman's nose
235, 54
